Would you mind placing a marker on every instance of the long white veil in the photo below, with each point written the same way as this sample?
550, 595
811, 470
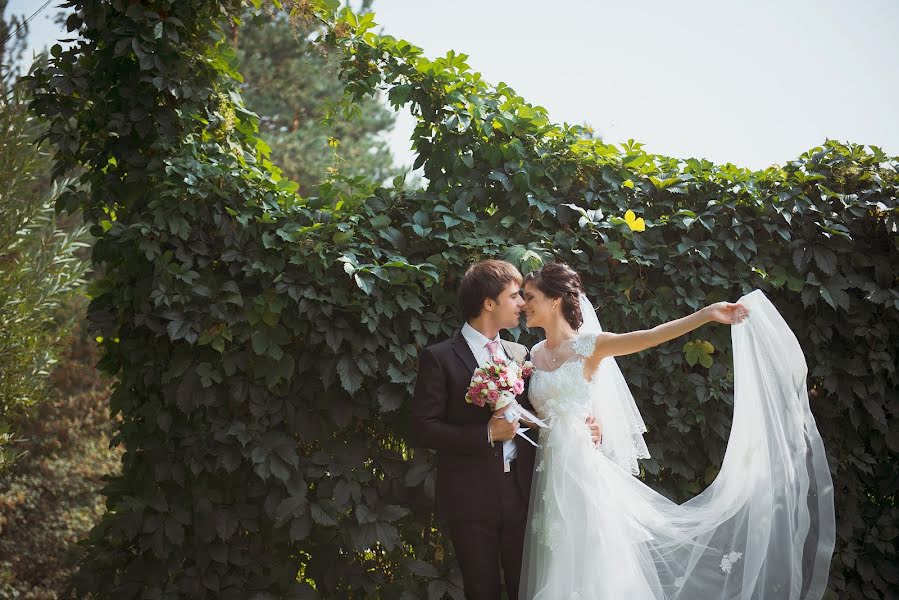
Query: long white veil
613, 405
763, 530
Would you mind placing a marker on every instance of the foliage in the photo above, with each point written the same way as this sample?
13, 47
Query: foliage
13, 37
293, 85
265, 343
50, 499
40, 262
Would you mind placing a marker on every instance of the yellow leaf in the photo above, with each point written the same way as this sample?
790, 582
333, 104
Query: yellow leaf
634, 222
628, 183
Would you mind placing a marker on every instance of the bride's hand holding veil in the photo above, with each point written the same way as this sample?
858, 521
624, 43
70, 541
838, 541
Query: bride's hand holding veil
729, 313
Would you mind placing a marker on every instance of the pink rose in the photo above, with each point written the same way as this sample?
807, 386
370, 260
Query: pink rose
493, 396
519, 387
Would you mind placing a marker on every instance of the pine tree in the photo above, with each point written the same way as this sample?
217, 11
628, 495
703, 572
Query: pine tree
291, 83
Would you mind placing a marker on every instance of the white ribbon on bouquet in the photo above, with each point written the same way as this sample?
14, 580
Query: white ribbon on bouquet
516, 412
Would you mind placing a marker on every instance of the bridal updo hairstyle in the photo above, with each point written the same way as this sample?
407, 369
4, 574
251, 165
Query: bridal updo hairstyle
482, 280
558, 280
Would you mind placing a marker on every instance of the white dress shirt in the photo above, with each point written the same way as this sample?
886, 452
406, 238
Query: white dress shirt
477, 341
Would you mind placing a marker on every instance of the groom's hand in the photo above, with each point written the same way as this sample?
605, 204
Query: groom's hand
595, 430
501, 429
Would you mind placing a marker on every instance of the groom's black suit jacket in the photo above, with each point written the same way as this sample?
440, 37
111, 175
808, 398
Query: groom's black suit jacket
469, 469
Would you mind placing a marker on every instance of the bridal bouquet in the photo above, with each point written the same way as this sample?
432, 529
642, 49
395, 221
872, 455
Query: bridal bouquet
496, 384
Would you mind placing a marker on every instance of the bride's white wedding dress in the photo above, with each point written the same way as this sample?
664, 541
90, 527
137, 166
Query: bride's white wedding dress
764, 529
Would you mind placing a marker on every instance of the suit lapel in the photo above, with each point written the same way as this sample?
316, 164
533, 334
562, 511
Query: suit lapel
460, 347
513, 351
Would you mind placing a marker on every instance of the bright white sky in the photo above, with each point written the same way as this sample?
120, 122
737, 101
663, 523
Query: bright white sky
753, 82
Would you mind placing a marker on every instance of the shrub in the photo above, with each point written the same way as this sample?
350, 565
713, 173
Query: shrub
41, 264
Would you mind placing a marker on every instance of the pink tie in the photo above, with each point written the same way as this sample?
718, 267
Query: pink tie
493, 348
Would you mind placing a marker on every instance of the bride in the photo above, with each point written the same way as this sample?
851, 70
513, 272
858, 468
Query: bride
764, 529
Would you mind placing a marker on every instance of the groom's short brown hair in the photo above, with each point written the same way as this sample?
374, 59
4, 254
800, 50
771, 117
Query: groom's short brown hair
482, 280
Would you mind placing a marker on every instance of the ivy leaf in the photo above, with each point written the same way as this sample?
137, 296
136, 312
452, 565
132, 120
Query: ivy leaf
259, 342
826, 260
524, 258
350, 376
300, 527
502, 178
341, 493
699, 351
320, 516
342, 237
386, 535
875, 409
616, 251
391, 396
399, 95
393, 512
366, 284
178, 329
422, 569
290, 507
278, 467
417, 471
450, 221
801, 259
225, 523
398, 376
634, 222
380, 222
833, 292
365, 515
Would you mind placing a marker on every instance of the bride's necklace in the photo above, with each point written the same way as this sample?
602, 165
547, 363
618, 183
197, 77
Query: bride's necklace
552, 352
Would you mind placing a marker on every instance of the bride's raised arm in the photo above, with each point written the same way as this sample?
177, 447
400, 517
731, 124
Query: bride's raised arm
619, 344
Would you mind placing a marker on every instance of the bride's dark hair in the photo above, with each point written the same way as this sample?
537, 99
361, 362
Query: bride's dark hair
558, 280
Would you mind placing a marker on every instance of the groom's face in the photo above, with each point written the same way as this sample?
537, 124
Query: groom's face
506, 308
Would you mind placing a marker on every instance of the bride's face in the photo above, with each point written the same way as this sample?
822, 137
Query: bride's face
539, 309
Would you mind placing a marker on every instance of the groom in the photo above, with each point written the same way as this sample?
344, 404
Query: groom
484, 470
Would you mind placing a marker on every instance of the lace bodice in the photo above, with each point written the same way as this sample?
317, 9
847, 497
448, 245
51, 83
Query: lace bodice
563, 390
